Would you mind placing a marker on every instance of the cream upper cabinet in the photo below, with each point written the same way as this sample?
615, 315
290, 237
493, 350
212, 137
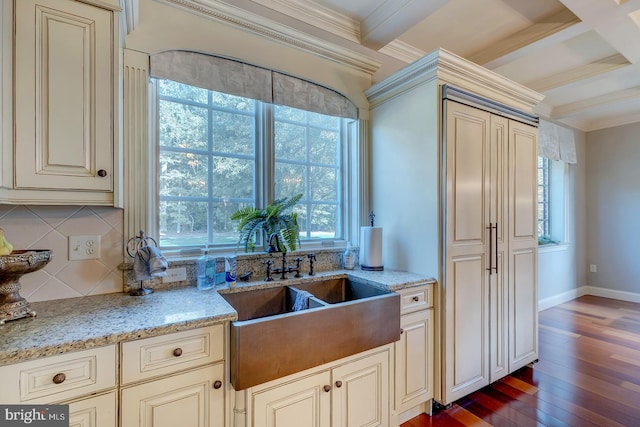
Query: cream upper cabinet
65, 103
453, 159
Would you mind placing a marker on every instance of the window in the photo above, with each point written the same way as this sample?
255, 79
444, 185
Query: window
551, 201
220, 152
543, 199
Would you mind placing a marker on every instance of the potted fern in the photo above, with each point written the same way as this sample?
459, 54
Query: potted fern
278, 225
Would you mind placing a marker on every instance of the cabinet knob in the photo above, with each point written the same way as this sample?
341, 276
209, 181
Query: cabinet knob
59, 378
416, 299
217, 384
327, 388
401, 331
177, 352
102, 173
338, 384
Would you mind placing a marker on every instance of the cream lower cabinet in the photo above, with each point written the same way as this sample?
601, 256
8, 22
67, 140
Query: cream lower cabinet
354, 393
174, 380
190, 399
95, 411
86, 380
414, 353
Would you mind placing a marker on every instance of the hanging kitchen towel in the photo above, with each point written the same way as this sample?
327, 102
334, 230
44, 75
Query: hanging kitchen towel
371, 248
149, 263
302, 301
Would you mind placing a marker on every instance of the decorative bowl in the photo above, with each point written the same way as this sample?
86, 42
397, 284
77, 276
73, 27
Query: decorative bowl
12, 267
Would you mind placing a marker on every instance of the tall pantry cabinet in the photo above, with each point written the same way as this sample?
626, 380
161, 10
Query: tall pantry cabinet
454, 184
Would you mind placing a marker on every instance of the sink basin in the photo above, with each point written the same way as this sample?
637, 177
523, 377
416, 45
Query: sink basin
270, 340
334, 291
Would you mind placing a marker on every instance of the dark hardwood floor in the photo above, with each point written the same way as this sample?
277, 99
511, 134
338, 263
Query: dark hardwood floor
588, 374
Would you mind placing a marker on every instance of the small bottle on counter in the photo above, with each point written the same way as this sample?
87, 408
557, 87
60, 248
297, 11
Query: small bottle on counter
206, 271
349, 257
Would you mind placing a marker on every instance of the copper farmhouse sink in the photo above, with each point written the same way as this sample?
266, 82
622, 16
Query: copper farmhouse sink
270, 340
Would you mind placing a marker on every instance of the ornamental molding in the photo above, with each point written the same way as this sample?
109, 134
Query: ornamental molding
225, 13
447, 67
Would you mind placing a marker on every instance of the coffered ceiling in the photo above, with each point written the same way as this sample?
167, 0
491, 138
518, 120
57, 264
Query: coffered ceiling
583, 55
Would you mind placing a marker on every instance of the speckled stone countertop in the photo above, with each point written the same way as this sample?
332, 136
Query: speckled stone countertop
82, 323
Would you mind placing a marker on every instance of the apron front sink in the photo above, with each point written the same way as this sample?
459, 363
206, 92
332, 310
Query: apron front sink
270, 340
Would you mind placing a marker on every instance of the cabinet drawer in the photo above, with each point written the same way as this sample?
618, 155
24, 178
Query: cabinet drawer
416, 298
58, 378
166, 354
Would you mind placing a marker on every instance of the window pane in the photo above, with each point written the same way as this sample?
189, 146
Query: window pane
287, 113
180, 90
325, 184
320, 120
233, 178
233, 102
183, 126
323, 146
183, 174
183, 223
323, 221
290, 179
233, 133
290, 141
224, 230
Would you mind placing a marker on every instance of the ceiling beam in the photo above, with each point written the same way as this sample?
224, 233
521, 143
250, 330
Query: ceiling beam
392, 18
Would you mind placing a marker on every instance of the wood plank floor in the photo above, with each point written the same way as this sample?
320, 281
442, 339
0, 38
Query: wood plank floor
588, 374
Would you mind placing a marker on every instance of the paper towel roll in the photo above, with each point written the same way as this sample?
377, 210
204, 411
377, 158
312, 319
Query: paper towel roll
371, 248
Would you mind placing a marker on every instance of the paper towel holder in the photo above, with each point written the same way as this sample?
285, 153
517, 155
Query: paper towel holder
365, 249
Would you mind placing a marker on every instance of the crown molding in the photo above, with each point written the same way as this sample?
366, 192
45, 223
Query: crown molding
317, 15
457, 71
402, 51
131, 14
223, 12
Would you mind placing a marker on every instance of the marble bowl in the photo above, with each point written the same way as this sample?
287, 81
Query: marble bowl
12, 268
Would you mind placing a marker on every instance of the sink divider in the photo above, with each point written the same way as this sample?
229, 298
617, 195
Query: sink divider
314, 302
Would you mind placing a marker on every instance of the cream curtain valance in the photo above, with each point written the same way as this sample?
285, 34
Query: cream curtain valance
556, 142
237, 78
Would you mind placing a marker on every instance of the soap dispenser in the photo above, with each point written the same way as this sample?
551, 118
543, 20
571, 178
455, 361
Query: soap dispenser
349, 257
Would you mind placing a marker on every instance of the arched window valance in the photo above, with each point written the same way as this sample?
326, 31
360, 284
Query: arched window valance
241, 79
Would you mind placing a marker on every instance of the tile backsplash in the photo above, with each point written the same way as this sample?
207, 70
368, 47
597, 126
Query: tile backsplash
49, 227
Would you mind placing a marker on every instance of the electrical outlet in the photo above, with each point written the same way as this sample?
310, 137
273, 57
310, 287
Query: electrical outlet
593, 268
84, 247
175, 275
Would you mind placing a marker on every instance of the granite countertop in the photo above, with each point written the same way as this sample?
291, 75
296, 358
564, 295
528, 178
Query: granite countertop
86, 322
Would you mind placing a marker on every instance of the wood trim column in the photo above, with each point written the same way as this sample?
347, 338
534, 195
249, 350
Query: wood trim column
137, 161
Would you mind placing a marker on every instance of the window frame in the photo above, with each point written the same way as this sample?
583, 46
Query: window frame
265, 177
557, 174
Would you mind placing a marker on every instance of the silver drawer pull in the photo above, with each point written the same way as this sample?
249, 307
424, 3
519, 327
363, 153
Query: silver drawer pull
59, 378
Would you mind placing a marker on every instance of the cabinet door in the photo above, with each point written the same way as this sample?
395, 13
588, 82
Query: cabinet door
300, 403
414, 360
497, 158
191, 399
97, 411
465, 331
64, 91
523, 246
360, 395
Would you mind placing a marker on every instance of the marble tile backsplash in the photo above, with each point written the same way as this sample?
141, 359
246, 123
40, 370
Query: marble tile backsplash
49, 227
326, 260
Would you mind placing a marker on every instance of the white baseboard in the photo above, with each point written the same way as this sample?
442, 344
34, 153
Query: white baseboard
587, 290
612, 293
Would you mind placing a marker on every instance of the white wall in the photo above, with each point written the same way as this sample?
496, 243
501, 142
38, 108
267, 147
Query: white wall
562, 270
613, 211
